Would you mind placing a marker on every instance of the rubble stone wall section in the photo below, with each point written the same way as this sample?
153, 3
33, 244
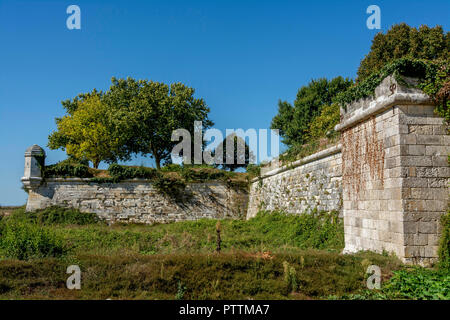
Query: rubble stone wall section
139, 201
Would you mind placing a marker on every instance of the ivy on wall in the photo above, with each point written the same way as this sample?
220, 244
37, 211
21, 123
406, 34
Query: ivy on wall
433, 76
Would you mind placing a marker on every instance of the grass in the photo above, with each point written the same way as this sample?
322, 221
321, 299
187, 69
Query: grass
272, 256
233, 275
267, 232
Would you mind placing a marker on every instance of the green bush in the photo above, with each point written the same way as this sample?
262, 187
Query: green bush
422, 69
67, 168
205, 173
54, 215
23, 240
444, 246
419, 283
120, 172
323, 125
172, 167
170, 185
415, 283
254, 170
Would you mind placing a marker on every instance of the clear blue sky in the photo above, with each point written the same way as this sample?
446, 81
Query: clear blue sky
240, 56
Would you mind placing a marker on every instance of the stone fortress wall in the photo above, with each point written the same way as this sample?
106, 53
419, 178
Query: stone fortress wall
139, 201
136, 200
314, 182
388, 177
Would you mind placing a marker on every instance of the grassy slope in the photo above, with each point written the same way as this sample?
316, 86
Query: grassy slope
138, 261
233, 275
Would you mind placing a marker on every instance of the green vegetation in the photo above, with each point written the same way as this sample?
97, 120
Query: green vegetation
444, 246
402, 41
416, 282
268, 231
132, 117
422, 69
294, 121
272, 256
178, 260
67, 168
409, 283
239, 159
308, 125
169, 178
119, 172
323, 125
233, 275
23, 240
86, 133
54, 216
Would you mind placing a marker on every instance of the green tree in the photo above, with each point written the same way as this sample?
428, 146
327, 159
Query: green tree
238, 159
401, 41
323, 125
294, 121
85, 132
146, 112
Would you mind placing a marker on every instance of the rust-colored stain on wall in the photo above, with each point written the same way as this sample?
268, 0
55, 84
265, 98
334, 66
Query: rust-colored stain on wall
363, 158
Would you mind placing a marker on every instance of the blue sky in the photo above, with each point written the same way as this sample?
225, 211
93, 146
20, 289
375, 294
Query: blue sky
240, 56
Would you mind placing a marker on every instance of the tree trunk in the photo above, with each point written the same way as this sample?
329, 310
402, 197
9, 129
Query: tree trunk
157, 161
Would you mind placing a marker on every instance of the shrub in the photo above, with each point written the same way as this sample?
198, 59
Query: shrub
254, 170
67, 168
172, 167
323, 125
170, 185
54, 215
419, 283
23, 240
119, 172
422, 69
58, 215
203, 173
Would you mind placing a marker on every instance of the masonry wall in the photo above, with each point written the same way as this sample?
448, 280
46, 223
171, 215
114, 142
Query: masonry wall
139, 201
372, 192
310, 183
395, 174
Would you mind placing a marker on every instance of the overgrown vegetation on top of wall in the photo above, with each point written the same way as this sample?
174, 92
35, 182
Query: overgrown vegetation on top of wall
432, 75
170, 179
403, 50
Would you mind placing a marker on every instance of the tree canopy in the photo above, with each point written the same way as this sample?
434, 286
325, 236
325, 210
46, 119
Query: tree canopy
137, 115
85, 132
401, 41
241, 155
294, 121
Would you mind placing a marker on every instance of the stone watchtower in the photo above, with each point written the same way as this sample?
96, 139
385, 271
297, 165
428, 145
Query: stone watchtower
32, 177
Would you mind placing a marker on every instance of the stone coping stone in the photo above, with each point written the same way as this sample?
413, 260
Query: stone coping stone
388, 93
